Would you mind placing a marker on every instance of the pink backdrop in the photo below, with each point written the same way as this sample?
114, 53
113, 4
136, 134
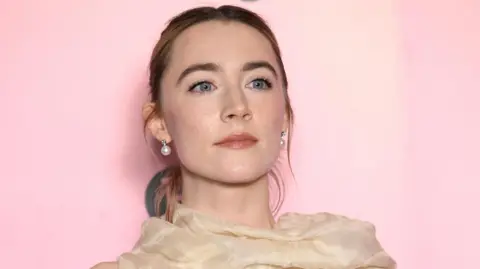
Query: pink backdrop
386, 95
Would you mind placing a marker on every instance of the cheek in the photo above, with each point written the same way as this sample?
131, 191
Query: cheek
191, 129
269, 124
183, 126
271, 115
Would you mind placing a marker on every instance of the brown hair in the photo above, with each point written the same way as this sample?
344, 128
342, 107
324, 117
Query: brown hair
159, 61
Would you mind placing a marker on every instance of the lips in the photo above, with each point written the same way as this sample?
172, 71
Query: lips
237, 141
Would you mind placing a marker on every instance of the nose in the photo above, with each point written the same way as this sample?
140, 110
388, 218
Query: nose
236, 107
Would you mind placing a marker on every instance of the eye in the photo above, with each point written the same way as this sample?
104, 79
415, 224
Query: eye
202, 86
260, 84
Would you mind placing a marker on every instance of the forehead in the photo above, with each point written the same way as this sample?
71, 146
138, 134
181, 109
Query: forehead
221, 42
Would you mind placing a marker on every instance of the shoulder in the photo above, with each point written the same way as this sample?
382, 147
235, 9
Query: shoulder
324, 219
105, 265
336, 229
342, 236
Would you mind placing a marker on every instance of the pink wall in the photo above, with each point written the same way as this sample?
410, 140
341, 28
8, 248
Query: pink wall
442, 42
385, 93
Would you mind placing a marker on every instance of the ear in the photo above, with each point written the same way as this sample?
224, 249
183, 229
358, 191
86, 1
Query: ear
154, 123
286, 121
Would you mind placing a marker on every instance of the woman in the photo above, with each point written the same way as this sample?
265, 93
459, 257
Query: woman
219, 91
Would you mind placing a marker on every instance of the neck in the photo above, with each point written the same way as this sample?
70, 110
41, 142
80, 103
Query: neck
246, 204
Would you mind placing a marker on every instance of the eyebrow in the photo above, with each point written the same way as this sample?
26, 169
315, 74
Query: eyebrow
249, 66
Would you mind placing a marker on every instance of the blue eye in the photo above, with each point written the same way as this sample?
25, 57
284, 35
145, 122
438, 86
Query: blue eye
202, 86
260, 84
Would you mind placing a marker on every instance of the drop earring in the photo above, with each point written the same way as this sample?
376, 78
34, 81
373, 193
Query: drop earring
165, 150
282, 138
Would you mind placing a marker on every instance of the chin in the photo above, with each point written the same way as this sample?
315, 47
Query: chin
240, 174
239, 168
239, 177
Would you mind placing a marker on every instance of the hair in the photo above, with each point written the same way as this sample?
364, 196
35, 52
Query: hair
166, 194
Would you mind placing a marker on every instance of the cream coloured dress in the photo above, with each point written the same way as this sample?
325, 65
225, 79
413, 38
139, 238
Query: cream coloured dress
197, 241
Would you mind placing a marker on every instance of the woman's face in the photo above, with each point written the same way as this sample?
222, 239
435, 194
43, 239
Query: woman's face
223, 79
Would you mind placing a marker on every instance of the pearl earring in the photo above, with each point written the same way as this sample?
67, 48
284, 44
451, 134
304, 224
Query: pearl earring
165, 150
282, 136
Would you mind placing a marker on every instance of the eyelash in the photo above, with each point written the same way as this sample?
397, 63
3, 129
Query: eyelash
267, 82
194, 85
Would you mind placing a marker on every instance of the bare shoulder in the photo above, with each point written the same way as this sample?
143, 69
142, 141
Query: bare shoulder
105, 265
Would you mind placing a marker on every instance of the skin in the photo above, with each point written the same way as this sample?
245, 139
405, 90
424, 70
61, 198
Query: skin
234, 96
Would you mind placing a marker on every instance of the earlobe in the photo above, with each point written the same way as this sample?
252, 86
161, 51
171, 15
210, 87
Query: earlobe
158, 129
286, 122
154, 123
